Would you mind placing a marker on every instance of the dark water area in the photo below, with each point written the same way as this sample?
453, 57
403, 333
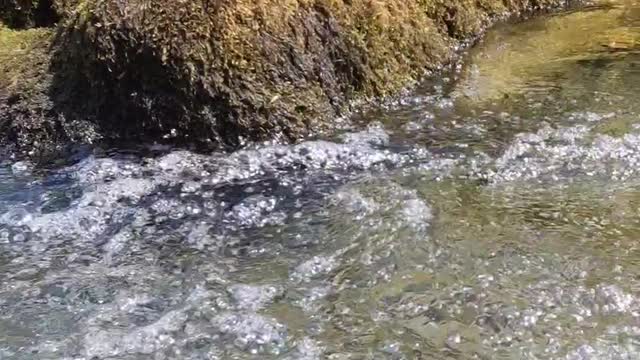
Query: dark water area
494, 213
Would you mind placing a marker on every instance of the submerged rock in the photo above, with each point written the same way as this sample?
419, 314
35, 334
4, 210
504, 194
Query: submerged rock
564, 46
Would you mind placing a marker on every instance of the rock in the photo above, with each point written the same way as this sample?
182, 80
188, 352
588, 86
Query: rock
217, 72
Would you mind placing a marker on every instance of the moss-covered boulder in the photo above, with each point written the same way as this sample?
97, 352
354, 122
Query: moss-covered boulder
218, 71
215, 72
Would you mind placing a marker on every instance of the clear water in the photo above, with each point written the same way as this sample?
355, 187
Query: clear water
493, 214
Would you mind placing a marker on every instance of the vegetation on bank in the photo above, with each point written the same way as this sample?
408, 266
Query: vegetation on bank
216, 72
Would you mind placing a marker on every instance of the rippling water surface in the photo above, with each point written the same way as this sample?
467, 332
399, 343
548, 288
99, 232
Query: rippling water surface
493, 214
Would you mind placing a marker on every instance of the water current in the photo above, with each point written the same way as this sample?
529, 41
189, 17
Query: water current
494, 213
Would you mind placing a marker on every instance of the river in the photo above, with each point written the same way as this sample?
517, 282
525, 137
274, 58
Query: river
493, 213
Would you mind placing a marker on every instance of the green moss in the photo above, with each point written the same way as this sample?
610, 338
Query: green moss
23, 57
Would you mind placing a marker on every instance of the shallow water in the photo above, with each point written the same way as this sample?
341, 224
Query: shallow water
493, 214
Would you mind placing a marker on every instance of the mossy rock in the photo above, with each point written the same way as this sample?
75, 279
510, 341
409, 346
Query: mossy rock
220, 71
216, 72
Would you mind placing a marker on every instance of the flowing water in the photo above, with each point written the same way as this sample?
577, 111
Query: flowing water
493, 214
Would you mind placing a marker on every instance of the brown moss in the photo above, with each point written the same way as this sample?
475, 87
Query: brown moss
216, 71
